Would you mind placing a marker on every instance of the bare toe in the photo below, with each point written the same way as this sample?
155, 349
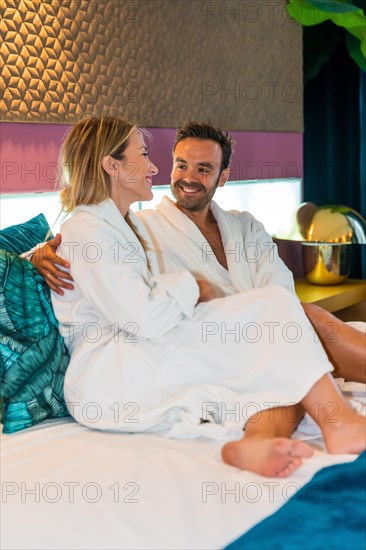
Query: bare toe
293, 465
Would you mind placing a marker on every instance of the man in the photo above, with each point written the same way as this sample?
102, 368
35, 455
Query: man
231, 250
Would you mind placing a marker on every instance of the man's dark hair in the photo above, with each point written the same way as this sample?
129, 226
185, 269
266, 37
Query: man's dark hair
205, 130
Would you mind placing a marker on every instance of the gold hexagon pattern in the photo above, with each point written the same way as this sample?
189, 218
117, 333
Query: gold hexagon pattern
160, 61
59, 59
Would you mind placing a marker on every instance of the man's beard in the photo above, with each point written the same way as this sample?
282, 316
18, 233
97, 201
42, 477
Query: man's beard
193, 202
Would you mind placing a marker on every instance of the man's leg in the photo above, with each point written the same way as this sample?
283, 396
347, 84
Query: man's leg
344, 345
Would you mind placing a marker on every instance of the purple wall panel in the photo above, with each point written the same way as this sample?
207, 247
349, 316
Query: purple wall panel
29, 155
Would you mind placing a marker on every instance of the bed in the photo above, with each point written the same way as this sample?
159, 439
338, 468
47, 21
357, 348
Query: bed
65, 486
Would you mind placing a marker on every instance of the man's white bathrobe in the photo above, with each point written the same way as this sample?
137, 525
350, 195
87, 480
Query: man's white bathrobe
251, 254
146, 358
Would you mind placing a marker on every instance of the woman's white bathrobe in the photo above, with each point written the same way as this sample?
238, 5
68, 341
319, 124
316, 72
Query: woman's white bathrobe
145, 357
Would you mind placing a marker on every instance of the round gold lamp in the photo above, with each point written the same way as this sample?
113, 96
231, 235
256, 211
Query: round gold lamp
328, 233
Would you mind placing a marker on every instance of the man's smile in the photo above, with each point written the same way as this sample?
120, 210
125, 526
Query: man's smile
190, 190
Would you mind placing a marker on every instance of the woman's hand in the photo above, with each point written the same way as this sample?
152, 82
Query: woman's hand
207, 291
46, 261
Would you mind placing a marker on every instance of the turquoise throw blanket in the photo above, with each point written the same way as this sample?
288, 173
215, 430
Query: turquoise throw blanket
329, 512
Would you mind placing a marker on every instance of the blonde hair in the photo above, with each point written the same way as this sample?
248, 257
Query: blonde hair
84, 179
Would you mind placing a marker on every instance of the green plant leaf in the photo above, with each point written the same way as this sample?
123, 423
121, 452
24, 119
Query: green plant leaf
314, 12
342, 14
353, 47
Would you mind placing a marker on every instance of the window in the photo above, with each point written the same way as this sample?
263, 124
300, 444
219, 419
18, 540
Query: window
274, 203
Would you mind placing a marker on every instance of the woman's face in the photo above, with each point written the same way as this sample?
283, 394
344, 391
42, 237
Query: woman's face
132, 176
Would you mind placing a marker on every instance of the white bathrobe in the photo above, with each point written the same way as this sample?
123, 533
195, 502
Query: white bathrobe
146, 358
251, 254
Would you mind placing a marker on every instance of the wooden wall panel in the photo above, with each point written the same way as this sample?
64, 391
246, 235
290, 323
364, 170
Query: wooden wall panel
235, 63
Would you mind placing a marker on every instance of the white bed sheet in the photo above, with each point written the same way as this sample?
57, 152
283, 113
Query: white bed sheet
65, 486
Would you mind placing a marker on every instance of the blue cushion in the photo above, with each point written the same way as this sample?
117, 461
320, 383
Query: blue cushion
24, 236
33, 356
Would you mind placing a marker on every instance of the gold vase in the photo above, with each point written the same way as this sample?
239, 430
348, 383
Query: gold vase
326, 263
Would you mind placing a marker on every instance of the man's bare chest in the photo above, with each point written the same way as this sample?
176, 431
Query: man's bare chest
213, 237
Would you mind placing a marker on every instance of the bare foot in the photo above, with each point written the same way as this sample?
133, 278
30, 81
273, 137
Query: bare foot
270, 457
347, 435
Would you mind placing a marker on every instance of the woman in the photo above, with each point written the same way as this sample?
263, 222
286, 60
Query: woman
155, 352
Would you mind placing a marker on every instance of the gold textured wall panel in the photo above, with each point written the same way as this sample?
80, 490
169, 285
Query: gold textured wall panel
236, 63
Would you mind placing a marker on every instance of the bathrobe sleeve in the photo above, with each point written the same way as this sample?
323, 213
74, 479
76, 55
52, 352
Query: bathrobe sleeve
112, 275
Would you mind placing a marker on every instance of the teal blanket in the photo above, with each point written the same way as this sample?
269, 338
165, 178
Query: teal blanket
329, 512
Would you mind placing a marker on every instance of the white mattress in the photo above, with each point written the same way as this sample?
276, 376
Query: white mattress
65, 486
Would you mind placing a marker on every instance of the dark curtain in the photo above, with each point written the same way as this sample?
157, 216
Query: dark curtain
335, 127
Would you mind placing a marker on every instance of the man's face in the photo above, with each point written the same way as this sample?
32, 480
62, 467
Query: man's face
196, 172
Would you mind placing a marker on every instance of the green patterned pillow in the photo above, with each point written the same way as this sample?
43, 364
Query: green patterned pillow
33, 356
24, 236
